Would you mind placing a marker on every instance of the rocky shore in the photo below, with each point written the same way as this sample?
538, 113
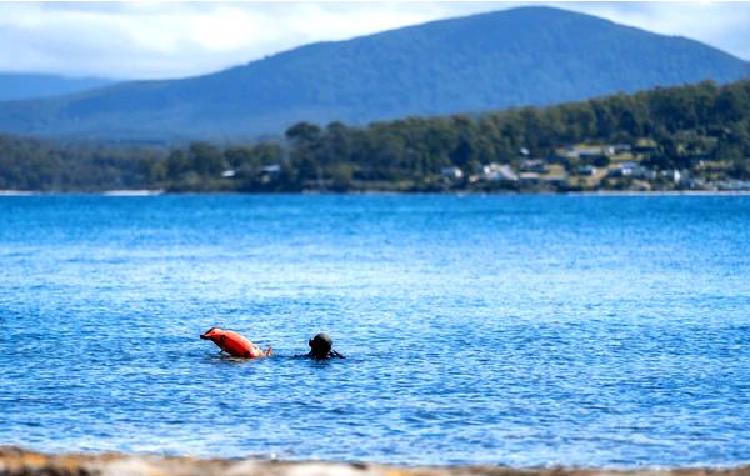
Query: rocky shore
18, 462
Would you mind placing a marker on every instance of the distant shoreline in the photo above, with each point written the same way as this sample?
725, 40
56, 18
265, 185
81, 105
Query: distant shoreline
153, 193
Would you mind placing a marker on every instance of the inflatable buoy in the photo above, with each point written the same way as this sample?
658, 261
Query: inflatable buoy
234, 344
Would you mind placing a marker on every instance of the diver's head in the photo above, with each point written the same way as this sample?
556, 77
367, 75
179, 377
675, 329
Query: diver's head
320, 345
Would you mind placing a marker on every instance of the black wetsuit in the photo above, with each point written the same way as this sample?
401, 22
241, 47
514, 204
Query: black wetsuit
330, 355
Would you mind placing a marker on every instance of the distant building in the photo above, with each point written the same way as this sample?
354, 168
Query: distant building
673, 175
621, 149
532, 165
452, 172
270, 173
586, 170
630, 169
645, 144
494, 172
271, 169
228, 173
584, 150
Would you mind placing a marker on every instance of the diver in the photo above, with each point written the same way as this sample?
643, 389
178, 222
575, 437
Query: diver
321, 348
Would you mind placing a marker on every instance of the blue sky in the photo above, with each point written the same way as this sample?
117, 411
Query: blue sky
165, 40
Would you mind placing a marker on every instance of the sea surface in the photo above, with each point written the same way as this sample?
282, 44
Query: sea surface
513, 330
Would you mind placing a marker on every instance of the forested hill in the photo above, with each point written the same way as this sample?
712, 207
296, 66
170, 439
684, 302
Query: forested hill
18, 86
691, 137
522, 56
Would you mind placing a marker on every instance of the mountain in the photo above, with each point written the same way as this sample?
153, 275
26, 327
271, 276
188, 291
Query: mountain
17, 86
521, 56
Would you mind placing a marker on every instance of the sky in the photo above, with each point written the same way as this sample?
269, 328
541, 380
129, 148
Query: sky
149, 40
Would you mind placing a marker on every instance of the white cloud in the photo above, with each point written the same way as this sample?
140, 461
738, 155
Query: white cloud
155, 40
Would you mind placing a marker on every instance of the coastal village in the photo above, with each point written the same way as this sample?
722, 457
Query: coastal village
581, 167
589, 167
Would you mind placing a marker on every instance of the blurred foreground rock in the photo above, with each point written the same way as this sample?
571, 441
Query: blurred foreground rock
17, 462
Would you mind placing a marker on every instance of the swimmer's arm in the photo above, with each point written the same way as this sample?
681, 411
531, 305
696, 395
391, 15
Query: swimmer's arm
336, 354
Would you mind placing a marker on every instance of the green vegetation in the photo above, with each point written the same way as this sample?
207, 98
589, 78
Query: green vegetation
32, 164
690, 137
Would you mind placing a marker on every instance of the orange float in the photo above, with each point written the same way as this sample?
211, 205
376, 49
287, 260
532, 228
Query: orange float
234, 343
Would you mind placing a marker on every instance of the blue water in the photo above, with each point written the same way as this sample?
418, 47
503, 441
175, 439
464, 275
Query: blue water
515, 330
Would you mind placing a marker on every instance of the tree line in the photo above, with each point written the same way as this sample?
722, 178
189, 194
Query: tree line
688, 124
